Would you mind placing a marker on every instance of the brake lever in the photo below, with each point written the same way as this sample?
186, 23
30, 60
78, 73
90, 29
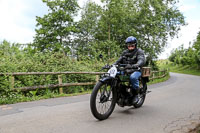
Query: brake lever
106, 67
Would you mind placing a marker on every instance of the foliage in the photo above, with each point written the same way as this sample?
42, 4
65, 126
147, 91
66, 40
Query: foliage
55, 28
197, 49
13, 59
152, 22
186, 69
189, 56
159, 79
87, 28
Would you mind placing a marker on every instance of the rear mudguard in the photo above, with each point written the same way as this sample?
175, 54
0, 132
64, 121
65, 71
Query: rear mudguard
145, 79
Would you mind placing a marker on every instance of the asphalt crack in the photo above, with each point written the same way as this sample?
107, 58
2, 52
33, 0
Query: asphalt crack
183, 125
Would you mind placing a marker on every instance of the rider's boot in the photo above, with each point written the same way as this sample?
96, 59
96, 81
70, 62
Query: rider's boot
136, 97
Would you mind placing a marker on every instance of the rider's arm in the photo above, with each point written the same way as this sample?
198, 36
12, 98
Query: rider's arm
141, 58
118, 61
120, 58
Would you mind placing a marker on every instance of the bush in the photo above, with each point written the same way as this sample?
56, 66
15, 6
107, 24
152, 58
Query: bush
12, 59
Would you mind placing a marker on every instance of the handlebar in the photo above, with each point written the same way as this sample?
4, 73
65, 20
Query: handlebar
118, 66
109, 66
106, 67
121, 69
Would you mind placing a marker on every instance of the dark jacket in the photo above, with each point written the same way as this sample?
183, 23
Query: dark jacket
132, 57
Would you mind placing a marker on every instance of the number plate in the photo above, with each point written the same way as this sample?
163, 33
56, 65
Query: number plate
112, 71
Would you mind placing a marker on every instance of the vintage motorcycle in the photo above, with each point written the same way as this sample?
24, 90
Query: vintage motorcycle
114, 87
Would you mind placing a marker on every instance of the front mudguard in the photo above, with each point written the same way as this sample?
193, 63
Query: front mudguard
106, 79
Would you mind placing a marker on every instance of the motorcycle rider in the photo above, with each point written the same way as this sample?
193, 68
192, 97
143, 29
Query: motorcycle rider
134, 58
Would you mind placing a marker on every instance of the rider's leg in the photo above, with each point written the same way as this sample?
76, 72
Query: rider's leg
134, 78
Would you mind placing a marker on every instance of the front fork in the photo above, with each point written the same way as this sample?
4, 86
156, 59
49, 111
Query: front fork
105, 94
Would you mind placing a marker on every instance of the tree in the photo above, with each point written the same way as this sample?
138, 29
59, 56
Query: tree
113, 25
184, 56
197, 42
155, 22
88, 42
152, 22
173, 55
87, 28
197, 50
55, 29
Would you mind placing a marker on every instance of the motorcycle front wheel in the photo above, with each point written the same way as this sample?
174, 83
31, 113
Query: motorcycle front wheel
102, 100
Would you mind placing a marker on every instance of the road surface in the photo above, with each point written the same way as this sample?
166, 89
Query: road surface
172, 107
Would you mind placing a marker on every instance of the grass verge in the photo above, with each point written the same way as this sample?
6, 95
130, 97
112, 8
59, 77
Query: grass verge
187, 69
195, 130
159, 80
17, 98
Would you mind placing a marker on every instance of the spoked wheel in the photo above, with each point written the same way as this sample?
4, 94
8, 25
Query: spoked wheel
142, 95
102, 101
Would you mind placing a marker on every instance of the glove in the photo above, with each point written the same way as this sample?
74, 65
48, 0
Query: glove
128, 66
128, 71
135, 66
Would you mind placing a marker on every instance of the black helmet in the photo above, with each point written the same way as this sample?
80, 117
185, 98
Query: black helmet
131, 40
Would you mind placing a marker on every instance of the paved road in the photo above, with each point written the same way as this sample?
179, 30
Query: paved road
172, 107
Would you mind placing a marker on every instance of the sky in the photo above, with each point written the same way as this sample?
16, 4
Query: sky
187, 34
18, 20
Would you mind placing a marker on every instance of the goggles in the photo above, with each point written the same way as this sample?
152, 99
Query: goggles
130, 44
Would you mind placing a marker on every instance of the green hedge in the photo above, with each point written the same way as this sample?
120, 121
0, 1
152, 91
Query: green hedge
13, 59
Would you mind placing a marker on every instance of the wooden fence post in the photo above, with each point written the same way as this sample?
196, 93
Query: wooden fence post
97, 78
159, 74
153, 75
12, 82
60, 82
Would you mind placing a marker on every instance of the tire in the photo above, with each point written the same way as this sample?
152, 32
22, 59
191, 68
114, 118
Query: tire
142, 96
102, 94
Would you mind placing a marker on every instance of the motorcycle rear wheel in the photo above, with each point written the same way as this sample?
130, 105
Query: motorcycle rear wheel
102, 101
